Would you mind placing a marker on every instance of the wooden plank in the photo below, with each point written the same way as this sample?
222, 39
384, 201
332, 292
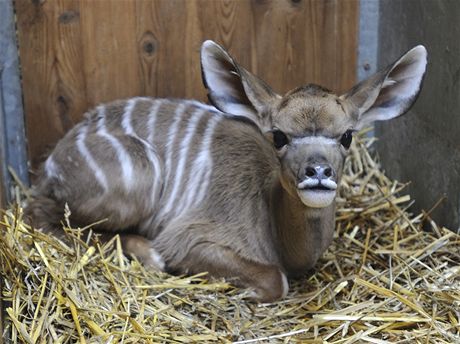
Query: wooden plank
347, 29
2, 192
315, 43
109, 50
12, 136
3, 164
51, 59
76, 54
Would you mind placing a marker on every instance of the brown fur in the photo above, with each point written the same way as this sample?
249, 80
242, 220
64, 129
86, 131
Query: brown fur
206, 191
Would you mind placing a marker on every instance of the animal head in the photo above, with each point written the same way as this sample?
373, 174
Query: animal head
310, 127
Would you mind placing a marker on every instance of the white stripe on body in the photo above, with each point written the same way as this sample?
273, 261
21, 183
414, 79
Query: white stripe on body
200, 173
122, 155
183, 155
158, 173
51, 169
152, 156
152, 117
148, 147
149, 143
126, 122
314, 140
92, 164
170, 138
126, 119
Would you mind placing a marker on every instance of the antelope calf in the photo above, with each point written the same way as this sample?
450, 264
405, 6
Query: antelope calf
244, 190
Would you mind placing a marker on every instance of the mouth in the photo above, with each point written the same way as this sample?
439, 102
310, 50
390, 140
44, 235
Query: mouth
315, 193
315, 184
319, 188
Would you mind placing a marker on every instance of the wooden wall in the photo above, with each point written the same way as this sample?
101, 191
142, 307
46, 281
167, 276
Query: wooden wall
78, 53
3, 190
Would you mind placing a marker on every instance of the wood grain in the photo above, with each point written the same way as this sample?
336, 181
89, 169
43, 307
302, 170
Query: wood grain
51, 62
76, 54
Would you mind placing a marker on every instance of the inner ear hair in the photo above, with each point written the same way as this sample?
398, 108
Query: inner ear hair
234, 90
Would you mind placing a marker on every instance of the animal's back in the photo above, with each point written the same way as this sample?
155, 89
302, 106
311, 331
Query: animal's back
143, 162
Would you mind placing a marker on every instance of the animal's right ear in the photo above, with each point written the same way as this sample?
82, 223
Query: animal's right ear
232, 89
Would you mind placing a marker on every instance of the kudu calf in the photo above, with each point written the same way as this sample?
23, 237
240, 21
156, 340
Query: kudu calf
244, 190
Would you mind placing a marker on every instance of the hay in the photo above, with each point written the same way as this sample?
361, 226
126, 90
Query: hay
383, 280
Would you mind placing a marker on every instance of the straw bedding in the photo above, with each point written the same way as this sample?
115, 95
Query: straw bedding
383, 280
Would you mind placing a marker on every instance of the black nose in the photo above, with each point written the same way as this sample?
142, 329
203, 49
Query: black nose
319, 171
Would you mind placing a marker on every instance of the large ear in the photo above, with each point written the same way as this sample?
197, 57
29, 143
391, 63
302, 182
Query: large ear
390, 92
232, 89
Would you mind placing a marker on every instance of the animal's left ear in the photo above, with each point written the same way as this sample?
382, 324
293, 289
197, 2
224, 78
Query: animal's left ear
390, 92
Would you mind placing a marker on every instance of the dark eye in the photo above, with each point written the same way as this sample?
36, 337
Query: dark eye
346, 139
279, 139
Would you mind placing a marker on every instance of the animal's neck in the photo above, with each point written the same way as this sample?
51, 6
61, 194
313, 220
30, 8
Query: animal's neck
302, 233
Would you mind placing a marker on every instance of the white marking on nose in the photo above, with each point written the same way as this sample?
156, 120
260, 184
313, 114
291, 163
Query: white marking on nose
309, 182
329, 183
92, 164
312, 182
314, 140
122, 155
